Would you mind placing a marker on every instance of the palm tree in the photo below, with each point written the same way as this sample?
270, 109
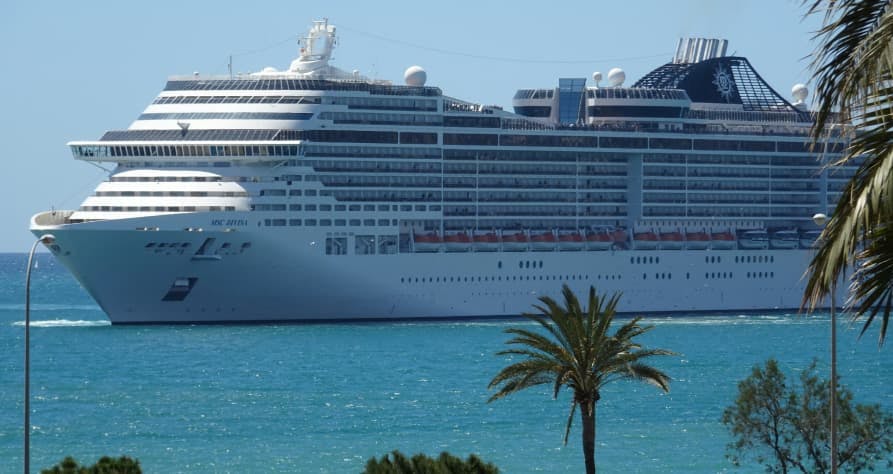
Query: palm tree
577, 352
854, 73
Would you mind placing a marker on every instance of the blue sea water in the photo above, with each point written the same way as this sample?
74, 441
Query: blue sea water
325, 398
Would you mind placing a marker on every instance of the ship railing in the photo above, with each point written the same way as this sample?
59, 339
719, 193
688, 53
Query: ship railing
51, 218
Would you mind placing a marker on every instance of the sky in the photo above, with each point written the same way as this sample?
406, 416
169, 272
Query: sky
73, 70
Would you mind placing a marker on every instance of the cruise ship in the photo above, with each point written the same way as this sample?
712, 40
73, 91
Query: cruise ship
318, 194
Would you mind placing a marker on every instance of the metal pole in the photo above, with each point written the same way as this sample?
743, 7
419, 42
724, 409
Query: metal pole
47, 239
833, 381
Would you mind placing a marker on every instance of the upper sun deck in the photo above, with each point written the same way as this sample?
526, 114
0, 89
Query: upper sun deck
288, 82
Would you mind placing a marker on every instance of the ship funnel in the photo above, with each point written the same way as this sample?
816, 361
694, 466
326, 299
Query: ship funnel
693, 50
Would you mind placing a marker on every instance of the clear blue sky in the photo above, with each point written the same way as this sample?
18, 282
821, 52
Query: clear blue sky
72, 70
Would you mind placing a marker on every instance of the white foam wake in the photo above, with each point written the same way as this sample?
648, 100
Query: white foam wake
64, 323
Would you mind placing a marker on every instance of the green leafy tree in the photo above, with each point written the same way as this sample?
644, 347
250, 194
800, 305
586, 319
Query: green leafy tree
397, 463
785, 428
105, 465
576, 351
854, 75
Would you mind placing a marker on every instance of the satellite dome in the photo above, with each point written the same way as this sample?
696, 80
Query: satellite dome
269, 69
415, 76
800, 92
596, 77
616, 77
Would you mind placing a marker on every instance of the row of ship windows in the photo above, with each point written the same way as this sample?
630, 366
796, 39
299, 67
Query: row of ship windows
532, 197
359, 151
539, 156
746, 199
328, 222
340, 207
712, 275
681, 159
657, 276
173, 179
366, 118
467, 279
707, 211
381, 103
173, 193
524, 211
534, 169
226, 116
345, 207
742, 259
729, 171
733, 185
237, 99
548, 183
104, 151
156, 208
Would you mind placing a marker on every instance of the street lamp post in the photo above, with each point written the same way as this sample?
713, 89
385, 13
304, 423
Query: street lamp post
46, 239
820, 220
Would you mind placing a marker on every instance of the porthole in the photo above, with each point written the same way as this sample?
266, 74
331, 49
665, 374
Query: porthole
520, 264
644, 276
499, 264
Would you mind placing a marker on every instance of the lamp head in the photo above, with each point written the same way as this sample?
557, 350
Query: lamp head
820, 219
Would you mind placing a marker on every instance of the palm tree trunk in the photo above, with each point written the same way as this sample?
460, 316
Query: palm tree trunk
587, 413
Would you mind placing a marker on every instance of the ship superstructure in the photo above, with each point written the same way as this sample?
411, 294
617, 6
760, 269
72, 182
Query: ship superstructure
319, 194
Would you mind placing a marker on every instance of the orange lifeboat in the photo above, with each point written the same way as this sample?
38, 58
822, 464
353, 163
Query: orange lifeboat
600, 240
486, 241
671, 240
697, 240
457, 242
515, 241
542, 240
570, 240
427, 242
648, 240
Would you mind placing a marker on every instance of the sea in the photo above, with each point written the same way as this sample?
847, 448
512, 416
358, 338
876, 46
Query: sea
325, 398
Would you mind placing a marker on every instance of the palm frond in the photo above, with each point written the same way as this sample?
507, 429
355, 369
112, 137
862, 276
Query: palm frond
648, 374
570, 421
854, 70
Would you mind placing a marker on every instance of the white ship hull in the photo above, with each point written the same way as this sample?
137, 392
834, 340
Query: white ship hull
285, 275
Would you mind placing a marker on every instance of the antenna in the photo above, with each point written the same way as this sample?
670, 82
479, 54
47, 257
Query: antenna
230, 66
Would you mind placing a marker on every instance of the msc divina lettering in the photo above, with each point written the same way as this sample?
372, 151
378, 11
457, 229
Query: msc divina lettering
316, 194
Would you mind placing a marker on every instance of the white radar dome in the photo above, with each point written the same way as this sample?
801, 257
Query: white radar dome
596, 77
269, 69
415, 76
800, 92
616, 77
